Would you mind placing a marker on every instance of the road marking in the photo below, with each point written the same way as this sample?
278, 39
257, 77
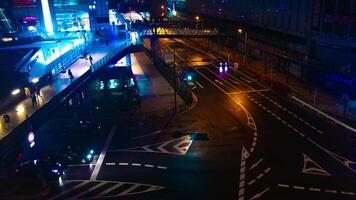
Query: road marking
67, 191
96, 170
200, 85
283, 185
311, 167
103, 193
88, 190
110, 164
136, 164
259, 176
258, 195
146, 165
123, 164
298, 187
217, 81
256, 164
315, 189
161, 167
180, 145
127, 191
331, 191
244, 155
245, 79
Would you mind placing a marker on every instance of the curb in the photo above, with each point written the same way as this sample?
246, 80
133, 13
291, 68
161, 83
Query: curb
194, 103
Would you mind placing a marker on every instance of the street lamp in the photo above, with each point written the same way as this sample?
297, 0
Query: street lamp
197, 18
245, 43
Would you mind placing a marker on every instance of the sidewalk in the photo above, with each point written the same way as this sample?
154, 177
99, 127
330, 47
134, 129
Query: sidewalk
324, 101
19, 112
156, 94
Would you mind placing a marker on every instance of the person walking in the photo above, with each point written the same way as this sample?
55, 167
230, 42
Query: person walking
70, 74
38, 92
34, 100
7, 120
107, 42
91, 60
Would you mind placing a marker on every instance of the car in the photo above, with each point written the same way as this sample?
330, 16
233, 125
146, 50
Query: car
222, 65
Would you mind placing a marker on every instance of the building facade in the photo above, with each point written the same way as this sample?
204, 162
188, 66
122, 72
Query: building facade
321, 31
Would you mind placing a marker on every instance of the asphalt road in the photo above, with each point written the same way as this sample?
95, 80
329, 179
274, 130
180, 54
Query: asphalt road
240, 141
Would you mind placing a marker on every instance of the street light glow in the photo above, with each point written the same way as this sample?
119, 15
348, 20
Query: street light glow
15, 92
239, 30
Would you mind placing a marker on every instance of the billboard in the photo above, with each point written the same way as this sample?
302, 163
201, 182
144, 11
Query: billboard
24, 3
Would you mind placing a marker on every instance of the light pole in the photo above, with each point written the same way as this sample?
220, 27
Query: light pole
91, 13
245, 43
175, 80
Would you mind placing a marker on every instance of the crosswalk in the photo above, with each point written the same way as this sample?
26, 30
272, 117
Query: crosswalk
86, 189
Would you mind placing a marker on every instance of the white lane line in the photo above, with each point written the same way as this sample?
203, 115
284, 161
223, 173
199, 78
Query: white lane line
315, 189
123, 164
96, 170
146, 165
283, 185
110, 164
161, 167
217, 81
256, 164
136, 164
200, 85
298, 187
331, 191
251, 182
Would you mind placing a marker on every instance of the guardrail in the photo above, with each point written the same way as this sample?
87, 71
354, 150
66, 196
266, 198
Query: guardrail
15, 140
319, 112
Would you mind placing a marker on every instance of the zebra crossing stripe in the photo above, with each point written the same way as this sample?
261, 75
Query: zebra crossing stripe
103, 193
89, 190
67, 191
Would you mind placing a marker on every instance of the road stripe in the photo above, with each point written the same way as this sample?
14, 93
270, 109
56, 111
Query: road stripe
123, 164
200, 85
161, 167
67, 191
110, 164
146, 165
298, 187
88, 190
110, 189
283, 185
315, 189
96, 170
136, 164
132, 188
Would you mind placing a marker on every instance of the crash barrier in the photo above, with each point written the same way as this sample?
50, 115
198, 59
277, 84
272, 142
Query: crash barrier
321, 113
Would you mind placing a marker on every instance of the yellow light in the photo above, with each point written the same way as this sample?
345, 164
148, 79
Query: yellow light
174, 13
15, 92
197, 18
20, 109
239, 30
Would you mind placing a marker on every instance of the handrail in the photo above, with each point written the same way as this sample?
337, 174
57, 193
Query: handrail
324, 114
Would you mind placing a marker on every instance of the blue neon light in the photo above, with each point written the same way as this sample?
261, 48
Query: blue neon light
47, 17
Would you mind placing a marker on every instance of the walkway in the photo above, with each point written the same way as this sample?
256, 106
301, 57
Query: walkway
156, 94
18, 113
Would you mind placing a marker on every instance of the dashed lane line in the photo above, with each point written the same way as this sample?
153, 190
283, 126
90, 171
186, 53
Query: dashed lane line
316, 189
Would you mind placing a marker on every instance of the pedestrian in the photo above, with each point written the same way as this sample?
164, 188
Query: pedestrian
91, 60
27, 92
38, 92
7, 120
34, 100
70, 74
107, 42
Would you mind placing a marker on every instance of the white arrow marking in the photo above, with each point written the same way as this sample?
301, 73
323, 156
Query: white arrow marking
258, 195
161, 147
316, 169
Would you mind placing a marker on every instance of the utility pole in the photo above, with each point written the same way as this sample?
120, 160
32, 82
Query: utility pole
175, 80
245, 53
